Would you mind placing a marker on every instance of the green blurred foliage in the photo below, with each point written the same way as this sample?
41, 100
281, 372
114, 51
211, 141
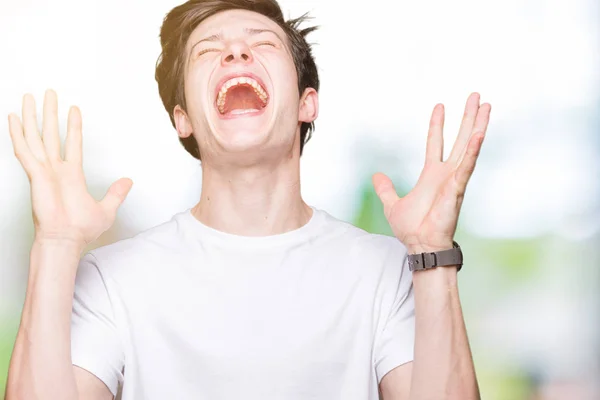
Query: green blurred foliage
504, 385
8, 334
370, 215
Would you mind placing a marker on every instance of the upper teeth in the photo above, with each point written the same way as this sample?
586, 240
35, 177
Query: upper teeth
262, 94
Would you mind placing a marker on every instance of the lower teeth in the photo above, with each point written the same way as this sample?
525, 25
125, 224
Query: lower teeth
243, 111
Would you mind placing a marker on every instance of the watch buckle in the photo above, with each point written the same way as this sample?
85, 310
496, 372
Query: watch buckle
429, 260
423, 261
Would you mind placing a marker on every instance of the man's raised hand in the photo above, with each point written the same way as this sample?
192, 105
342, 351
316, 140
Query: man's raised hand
63, 209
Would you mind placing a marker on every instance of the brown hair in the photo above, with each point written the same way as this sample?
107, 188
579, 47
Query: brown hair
179, 24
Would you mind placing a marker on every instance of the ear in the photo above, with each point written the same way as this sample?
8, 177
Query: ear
182, 122
309, 106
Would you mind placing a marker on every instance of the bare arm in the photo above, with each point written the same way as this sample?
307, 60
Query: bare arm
425, 220
66, 219
443, 366
441, 339
42, 353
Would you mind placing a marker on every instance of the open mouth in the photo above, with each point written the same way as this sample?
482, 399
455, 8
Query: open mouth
241, 95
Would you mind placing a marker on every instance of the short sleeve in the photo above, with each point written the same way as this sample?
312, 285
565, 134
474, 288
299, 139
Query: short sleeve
95, 343
394, 344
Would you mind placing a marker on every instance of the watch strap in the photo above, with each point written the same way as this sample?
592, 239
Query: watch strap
422, 261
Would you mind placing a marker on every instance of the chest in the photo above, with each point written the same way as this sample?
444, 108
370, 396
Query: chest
272, 325
270, 306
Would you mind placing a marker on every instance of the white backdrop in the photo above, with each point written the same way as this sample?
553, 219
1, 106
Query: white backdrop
383, 68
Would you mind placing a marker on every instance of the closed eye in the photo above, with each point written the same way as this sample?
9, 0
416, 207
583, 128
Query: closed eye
206, 51
265, 44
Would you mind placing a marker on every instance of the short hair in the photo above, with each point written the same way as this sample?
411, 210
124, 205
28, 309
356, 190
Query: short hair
179, 24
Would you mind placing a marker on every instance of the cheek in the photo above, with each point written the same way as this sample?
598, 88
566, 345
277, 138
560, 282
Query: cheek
196, 101
289, 85
283, 73
197, 95
196, 84
290, 97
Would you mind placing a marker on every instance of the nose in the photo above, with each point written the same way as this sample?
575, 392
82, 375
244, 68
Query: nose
236, 52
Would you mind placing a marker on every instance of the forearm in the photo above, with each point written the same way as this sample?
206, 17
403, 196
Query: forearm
41, 362
443, 365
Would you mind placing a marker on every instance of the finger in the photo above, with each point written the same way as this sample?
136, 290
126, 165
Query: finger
435, 137
32, 135
385, 191
467, 166
116, 196
21, 149
466, 128
73, 141
481, 123
50, 126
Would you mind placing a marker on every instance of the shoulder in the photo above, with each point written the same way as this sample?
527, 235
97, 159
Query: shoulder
357, 240
379, 261
149, 244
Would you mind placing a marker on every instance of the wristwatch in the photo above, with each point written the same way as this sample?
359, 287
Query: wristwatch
444, 258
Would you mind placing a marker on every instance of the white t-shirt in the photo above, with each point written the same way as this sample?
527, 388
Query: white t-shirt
183, 311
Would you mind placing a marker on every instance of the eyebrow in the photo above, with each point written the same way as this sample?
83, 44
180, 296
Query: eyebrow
219, 37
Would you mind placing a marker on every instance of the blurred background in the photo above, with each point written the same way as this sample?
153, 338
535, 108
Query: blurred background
530, 222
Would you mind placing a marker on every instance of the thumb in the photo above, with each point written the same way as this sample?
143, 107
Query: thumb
385, 190
116, 194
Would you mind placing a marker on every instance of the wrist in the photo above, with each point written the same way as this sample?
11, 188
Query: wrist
425, 248
440, 262
52, 257
71, 242
447, 275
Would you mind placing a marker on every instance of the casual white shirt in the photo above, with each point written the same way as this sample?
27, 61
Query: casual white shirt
184, 311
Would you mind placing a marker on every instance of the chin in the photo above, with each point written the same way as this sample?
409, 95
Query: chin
242, 131
243, 141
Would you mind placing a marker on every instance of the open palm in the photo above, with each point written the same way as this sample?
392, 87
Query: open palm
63, 209
427, 216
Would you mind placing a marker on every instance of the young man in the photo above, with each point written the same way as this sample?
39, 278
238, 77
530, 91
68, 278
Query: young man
251, 293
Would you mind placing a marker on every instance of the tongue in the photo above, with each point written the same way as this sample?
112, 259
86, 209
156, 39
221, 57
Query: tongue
242, 98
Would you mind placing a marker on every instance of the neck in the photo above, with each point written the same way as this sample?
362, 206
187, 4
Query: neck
261, 200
